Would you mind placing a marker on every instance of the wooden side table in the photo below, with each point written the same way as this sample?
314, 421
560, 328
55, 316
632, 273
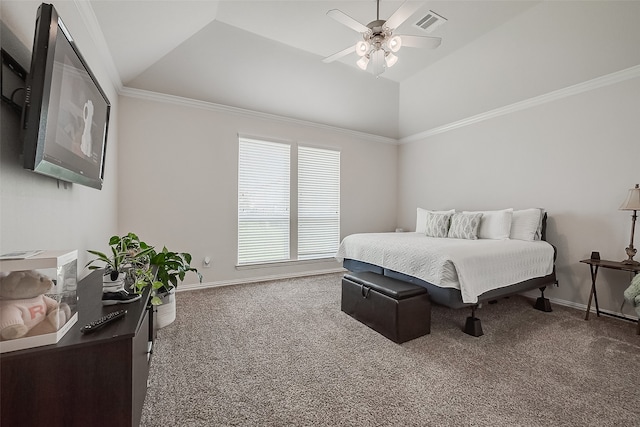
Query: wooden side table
594, 264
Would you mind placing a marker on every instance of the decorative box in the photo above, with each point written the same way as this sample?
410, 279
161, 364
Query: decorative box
38, 301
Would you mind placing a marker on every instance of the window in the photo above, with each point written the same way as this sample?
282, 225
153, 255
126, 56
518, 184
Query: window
263, 201
318, 203
271, 223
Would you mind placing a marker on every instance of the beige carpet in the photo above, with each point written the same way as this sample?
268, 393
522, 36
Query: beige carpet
283, 354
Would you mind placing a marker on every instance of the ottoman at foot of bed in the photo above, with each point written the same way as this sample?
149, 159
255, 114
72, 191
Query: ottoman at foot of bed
398, 310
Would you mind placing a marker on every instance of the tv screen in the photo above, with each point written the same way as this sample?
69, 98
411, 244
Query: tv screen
66, 113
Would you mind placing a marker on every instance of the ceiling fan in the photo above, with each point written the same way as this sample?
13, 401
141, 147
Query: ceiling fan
379, 43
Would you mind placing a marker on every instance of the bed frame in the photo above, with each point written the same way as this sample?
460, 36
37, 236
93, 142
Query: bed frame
452, 298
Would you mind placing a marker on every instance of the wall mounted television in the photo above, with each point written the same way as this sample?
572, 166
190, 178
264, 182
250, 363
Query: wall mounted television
66, 112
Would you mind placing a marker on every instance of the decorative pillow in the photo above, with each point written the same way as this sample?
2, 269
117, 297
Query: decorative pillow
526, 224
437, 224
465, 225
421, 218
495, 224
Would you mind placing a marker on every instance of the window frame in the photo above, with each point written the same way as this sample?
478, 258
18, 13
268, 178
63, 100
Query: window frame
294, 257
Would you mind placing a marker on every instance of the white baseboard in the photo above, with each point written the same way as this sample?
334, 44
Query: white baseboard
581, 307
257, 279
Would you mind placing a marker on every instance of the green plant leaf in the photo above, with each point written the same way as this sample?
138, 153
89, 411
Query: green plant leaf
96, 253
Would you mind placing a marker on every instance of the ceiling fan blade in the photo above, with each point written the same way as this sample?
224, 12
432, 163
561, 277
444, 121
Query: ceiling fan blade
403, 13
345, 19
421, 41
340, 54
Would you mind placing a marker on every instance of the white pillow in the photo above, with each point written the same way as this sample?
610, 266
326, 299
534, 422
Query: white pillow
526, 224
495, 225
421, 218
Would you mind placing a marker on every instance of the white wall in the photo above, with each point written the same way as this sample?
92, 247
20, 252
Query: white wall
564, 83
178, 179
36, 212
576, 157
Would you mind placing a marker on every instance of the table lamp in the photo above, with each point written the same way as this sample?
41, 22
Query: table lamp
632, 203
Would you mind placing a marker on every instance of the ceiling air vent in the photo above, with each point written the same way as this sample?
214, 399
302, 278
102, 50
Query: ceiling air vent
430, 22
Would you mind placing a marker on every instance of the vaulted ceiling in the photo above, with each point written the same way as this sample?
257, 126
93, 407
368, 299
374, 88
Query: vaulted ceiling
140, 32
266, 56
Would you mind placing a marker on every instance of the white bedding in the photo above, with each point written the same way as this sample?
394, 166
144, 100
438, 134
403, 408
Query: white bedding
473, 266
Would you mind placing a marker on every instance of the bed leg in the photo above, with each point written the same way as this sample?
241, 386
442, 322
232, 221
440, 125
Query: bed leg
473, 326
542, 303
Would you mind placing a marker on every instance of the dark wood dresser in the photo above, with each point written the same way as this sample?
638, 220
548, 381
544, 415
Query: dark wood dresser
98, 379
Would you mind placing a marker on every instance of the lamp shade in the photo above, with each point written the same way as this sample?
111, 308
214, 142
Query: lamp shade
395, 43
363, 62
632, 203
390, 59
362, 48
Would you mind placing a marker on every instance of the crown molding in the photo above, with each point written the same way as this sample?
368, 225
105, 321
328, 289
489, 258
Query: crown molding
598, 82
205, 105
95, 31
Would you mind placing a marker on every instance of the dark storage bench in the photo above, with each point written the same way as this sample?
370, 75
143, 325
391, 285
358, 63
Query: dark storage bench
398, 310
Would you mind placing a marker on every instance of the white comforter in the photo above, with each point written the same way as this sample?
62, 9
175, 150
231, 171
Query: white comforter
473, 266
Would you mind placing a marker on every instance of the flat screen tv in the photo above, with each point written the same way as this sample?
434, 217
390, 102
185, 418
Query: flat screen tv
66, 112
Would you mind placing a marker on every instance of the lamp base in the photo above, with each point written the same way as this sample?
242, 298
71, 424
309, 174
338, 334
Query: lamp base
631, 252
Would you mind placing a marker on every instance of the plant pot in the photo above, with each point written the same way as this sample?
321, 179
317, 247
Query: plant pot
166, 312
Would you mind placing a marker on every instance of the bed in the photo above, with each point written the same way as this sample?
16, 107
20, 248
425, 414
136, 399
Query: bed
460, 272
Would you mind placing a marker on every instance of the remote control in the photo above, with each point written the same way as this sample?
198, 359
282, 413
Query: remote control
99, 323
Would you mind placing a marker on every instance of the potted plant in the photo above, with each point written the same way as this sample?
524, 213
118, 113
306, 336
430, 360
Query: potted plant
128, 253
143, 267
167, 269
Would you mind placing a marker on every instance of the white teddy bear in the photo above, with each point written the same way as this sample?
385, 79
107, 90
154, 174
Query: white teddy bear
24, 305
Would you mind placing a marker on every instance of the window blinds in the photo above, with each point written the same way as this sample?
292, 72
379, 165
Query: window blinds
263, 201
318, 202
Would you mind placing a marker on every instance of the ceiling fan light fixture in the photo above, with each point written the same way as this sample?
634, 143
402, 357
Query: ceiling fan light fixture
390, 59
378, 45
362, 48
378, 58
395, 43
363, 62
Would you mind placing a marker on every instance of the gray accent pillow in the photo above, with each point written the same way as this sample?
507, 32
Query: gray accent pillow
465, 226
437, 224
